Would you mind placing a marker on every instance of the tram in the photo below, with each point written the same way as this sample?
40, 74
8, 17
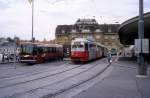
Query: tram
83, 50
33, 53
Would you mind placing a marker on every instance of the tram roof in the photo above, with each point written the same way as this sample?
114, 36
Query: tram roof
84, 39
49, 45
44, 45
89, 41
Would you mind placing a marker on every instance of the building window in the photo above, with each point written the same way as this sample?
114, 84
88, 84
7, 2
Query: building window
106, 37
98, 37
113, 37
106, 43
73, 31
85, 30
90, 37
113, 43
63, 31
109, 30
109, 44
98, 30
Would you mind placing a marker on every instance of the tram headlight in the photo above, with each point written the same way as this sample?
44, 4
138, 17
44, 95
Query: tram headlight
43, 55
26, 56
72, 53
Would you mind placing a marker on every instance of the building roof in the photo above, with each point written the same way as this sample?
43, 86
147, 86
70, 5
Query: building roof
88, 25
86, 21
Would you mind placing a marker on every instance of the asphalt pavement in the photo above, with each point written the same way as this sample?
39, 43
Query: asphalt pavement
120, 83
48, 79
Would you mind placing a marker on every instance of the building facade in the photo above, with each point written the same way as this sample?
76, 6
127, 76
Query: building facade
105, 34
8, 50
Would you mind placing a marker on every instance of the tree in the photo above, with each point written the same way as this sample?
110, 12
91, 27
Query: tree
9, 39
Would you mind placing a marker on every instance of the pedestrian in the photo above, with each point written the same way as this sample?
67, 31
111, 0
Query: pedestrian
109, 57
3, 57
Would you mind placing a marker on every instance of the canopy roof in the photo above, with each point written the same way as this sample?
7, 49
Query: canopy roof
128, 30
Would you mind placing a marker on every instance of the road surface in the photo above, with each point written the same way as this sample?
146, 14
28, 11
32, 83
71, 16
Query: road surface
59, 79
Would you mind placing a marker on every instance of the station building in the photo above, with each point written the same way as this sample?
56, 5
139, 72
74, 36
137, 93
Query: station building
128, 32
105, 34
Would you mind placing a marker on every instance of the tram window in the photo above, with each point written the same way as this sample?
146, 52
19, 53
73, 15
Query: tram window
98, 47
49, 49
80, 46
35, 51
40, 50
45, 49
74, 46
53, 49
57, 49
77, 46
94, 46
86, 46
91, 45
60, 49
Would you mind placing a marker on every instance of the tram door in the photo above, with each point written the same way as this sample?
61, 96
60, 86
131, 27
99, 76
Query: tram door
66, 50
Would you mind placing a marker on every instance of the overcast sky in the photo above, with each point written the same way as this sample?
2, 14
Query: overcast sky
15, 17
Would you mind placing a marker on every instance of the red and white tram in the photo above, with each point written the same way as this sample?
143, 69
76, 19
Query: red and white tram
33, 53
83, 50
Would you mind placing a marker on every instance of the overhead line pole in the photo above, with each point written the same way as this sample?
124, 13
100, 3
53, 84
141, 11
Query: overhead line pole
142, 67
32, 20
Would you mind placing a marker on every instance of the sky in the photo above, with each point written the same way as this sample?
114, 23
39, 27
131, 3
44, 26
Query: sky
15, 17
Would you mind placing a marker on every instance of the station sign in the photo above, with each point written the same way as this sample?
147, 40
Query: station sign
141, 45
137, 43
1, 57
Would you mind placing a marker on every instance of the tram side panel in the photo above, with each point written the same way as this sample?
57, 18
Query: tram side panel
40, 53
105, 51
83, 50
99, 51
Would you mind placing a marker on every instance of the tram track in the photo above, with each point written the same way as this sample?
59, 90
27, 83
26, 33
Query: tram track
22, 65
31, 72
35, 77
75, 85
80, 71
84, 86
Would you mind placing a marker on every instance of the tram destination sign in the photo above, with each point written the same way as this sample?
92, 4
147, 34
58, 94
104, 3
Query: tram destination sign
77, 43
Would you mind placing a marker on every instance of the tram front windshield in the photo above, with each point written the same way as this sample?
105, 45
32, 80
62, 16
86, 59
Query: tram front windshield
27, 48
78, 47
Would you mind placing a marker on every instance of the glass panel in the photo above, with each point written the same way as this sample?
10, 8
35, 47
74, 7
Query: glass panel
27, 48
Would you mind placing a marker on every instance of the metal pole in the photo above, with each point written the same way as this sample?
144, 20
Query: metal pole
15, 55
142, 67
32, 20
